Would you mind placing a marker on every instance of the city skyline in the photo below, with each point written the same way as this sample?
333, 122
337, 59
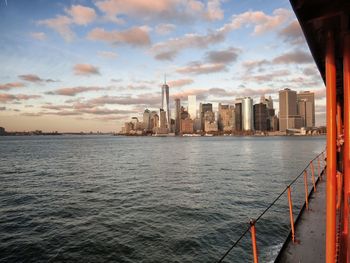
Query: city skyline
74, 66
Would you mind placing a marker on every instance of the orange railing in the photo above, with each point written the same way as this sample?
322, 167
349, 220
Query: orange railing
252, 225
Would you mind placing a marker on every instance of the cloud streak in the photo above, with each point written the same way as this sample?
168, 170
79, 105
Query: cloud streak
86, 70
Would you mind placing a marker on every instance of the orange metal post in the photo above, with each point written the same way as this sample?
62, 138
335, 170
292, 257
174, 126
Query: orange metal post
254, 246
339, 189
306, 191
331, 151
346, 154
291, 213
319, 168
313, 175
339, 120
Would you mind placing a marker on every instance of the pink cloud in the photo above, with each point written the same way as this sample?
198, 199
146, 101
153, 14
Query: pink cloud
107, 54
60, 24
85, 69
202, 68
72, 91
35, 78
262, 22
292, 33
136, 36
180, 82
10, 97
81, 15
11, 85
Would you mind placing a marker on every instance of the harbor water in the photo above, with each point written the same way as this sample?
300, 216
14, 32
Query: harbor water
146, 199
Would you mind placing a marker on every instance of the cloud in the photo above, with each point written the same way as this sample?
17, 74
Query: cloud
262, 22
38, 36
34, 78
296, 57
18, 97
214, 61
214, 10
61, 24
72, 91
81, 15
223, 56
142, 99
198, 68
165, 29
11, 85
107, 54
136, 36
267, 77
167, 10
169, 49
77, 14
250, 65
117, 80
180, 82
292, 33
85, 69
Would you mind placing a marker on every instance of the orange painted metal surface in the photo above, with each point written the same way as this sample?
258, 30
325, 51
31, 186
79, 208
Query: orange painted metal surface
319, 168
313, 175
291, 213
254, 246
339, 189
306, 190
331, 151
346, 152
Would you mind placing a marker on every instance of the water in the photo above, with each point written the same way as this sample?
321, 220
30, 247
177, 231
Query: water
145, 199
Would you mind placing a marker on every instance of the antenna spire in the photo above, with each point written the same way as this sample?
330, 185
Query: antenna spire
165, 78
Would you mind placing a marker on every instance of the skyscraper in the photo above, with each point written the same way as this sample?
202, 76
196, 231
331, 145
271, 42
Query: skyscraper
260, 117
165, 103
192, 106
204, 107
238, 116
178, 115
306, 108
147, 120
288, 116
247, 114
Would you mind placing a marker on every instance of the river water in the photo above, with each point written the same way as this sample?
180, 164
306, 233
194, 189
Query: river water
145, 199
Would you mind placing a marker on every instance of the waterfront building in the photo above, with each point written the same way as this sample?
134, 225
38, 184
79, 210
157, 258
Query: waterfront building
210, 126
177, 115
247, 114
2, 131
154, 123
163, 124
197, 125
184, 114
165, 103
225, 117
146, 120
238, 116
203, 108
260, 117
306, 108
192, 106
209, 116
288, 115
187, 126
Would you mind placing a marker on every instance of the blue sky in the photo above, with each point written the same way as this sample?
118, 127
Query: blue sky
88, 65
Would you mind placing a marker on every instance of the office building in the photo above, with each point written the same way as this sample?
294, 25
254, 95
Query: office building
306, 108
192, 106
146, 120
2, 131
203, 108
261, 117
247, 114
177, 115
288, 115
225, 117
187, 126
238, 116
165, 103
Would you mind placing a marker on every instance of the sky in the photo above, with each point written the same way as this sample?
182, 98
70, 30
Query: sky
91, 65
